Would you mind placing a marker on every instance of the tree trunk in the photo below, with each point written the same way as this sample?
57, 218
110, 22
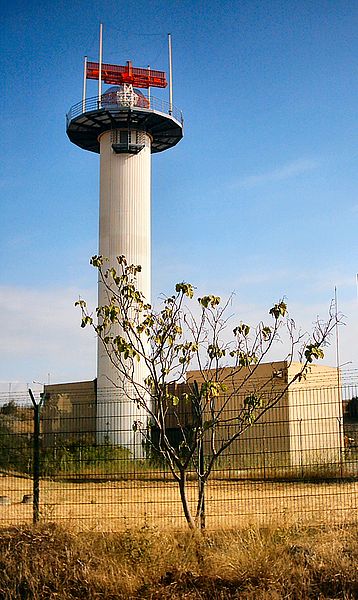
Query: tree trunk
200, 509
184, 500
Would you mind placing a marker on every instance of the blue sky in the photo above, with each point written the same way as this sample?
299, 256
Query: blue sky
260, 197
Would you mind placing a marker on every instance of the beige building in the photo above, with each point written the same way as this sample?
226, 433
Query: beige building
303, 426
69, 413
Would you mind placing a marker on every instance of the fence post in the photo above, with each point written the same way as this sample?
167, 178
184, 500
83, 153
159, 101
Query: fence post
341, 455
264, 456
36, 457
301, 449
201, 470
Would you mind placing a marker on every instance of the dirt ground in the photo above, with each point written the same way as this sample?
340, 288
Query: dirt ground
116, 505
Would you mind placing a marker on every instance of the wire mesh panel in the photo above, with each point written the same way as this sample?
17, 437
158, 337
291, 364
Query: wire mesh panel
16, 459
298, 464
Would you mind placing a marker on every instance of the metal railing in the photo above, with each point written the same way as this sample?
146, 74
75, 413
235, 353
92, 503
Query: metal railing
107, 103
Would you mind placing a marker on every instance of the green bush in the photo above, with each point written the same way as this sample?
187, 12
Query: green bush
81, 457
15, 449
352, 408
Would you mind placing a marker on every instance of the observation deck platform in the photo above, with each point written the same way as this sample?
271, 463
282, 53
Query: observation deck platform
87, 119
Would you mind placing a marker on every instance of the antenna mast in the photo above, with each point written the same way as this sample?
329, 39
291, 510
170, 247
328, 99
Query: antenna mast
170, 74
337, 335
100, 66
84, 85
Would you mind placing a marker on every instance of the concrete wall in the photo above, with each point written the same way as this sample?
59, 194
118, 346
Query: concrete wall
304, 428
267, 442
315, 416
69, 413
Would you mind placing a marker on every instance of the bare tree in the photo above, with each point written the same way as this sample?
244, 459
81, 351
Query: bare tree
186, 333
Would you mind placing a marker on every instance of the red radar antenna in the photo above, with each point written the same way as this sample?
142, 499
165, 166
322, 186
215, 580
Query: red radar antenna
117, 75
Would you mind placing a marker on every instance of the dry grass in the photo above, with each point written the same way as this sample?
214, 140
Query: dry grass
114, 506
48, 563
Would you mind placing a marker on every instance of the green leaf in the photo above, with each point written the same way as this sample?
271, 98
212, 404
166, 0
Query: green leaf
212, 388
312, 352
211, 300
122, 260
252, 401
97, 261
81, 303
185, 288
214, 351
266, 333
86, 320
278, 310
246, 359
242, 329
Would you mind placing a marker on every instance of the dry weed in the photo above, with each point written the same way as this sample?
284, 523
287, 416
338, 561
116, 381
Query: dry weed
51, 563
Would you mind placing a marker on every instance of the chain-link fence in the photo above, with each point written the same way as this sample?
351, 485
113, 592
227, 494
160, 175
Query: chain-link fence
297, 465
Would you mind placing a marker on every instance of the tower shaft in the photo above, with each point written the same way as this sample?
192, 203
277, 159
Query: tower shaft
124, 229
125, 191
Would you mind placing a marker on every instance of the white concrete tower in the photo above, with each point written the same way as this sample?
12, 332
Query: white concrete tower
125, 128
